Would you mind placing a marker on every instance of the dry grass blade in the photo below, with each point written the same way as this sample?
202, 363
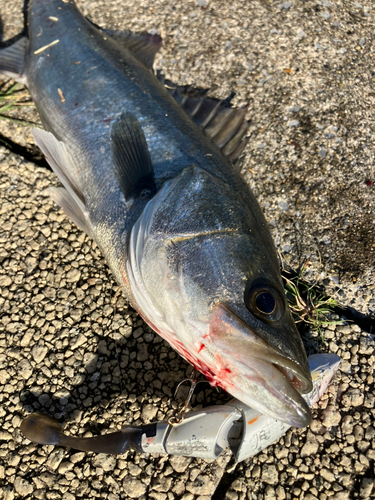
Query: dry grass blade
10, 99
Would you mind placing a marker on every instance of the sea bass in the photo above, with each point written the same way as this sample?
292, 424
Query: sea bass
177, 224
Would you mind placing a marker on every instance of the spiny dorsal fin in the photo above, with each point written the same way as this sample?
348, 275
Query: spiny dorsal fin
225, 125
131, 157
143, 45
70, 199
12, 59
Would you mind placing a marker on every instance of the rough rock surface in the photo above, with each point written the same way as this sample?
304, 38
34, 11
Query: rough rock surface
70, 345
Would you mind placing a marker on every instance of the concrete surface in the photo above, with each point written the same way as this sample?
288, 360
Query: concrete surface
70, 346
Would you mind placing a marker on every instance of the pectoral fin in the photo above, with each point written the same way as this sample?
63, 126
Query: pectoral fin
70, 199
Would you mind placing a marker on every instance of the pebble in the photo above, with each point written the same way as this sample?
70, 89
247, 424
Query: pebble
24, 369
73, 275
39, 352
352, 397
105, 461
293, 123
366, 487
55, 458
330, 417
134, 488
23, 487
202, 485
149, 413
179, 464
270, 474
309, 448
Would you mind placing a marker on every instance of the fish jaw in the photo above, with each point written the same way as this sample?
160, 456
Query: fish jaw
253, 371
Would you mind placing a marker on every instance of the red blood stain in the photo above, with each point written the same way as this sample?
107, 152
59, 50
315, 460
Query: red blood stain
368, 182
201, 347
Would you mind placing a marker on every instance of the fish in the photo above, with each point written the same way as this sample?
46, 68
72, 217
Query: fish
149, 171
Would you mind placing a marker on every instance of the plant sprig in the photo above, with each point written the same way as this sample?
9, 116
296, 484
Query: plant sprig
12, 98
308, 303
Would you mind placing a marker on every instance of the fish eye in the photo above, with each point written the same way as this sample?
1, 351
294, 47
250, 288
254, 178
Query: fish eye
264, 301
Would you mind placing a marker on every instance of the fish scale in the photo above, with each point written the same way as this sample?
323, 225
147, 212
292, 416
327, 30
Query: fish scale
177, 224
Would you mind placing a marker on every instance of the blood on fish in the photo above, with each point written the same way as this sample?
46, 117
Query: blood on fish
201, 347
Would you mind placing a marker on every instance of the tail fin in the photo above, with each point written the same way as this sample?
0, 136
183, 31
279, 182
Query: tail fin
12, 60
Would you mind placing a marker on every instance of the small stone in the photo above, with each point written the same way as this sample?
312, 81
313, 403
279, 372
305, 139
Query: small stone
106, 462
327, 475
309, 448
73, 275
179, 464
5, 281
284, 205
23, 487
340, 495
134, 488
270, 474
330, 417
55, 458
162, 483
24, 369
285, 6
322, 152
4, 377
5, 436
65, 467
134, 470
202, 485
68, 496
149, 412
39, 353
293, 123
352, 397
280, 493
367, 485
202, 3
142, 353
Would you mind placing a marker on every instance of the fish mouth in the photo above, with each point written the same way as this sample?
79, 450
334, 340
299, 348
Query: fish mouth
255, 372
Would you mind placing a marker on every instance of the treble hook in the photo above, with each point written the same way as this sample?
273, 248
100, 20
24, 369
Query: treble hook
192, 380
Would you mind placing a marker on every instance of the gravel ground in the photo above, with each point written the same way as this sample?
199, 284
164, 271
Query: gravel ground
70, 345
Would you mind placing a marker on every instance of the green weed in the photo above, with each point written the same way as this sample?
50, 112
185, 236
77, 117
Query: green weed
11, 99
309, 304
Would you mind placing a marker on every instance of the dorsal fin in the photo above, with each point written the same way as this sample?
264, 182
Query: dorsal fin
131, 158
143, 45
225, 125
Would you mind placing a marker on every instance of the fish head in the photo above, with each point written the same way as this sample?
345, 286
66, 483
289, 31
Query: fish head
205, 275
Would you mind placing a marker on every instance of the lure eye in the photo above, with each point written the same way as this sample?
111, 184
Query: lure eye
264, 301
